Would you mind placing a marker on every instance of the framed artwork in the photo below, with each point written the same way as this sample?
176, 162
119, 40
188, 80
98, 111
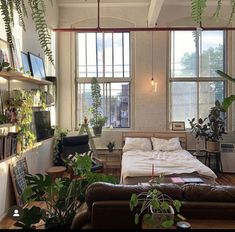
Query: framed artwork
25, 62
178, 125
37, 67
5, 52
16, 53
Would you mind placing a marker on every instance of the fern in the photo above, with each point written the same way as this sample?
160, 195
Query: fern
24, 8
219, 4
18, 6
7, 20
38, 16
11, 10
232, 12
198, 7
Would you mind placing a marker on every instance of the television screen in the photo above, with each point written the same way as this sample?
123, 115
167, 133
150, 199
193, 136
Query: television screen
36, 66
42, 122
25, 62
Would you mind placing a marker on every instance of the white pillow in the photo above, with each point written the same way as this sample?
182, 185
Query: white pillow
133, 144
166, 145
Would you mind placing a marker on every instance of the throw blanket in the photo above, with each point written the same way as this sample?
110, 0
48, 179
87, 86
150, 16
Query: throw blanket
139, 163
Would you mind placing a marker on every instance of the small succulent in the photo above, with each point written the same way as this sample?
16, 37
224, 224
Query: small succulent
110, 146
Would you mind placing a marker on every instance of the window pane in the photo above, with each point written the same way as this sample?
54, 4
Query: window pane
118, 55
100, 54
120, 104
212, 54
183, 55
81, 47
126, 55
91, 55
108, 55
183, 101
209, 92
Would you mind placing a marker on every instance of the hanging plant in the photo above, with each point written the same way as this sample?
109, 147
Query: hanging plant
198, 7
38, 9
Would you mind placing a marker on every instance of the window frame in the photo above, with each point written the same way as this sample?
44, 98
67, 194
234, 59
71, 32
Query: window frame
198, 79
103, 80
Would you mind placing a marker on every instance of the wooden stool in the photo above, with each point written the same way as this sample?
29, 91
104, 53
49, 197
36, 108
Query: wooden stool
56, 171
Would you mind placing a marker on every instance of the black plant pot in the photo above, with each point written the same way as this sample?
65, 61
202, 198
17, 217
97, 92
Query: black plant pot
97, 130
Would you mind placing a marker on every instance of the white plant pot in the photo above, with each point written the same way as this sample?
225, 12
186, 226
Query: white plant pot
161, 217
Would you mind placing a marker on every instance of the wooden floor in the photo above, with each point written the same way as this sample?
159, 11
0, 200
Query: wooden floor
223, 179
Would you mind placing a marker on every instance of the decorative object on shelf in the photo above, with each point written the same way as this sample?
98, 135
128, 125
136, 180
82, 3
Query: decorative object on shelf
36, 64
156, 207
98, 120
111, 145
5, 54
178, 126
211, 128
25, 63
38, 10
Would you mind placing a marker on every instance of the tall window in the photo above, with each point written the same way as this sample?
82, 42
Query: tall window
194, 84
107, 57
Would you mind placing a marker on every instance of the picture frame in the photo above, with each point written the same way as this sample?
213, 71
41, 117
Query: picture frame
37, 67
178, 125
5, 52
16, 53
25, 62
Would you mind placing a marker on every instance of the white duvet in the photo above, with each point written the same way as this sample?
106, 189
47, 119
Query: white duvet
139, 163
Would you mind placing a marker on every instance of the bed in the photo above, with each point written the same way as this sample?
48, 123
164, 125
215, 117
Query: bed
140, 165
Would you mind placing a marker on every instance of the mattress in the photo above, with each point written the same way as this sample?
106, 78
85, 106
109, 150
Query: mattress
139, 166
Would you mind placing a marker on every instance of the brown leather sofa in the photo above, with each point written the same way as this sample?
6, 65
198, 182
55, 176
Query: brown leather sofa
108, 204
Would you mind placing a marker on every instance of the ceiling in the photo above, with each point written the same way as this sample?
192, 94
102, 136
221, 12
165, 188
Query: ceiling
154, 6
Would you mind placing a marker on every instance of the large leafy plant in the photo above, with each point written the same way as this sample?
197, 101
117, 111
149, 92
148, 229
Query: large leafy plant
212, 127
38, 10
63, 196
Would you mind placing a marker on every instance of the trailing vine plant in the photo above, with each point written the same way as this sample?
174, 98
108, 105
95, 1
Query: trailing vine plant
38, 10
22, 100
198, 7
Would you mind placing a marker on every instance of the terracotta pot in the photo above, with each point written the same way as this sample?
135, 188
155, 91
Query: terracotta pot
212, 146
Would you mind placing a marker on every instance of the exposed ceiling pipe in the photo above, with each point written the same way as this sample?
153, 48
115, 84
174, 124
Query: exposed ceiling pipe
129, 29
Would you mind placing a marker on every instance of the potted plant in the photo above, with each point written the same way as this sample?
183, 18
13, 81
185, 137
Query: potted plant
156, 207
98, 120
110, 146
211, 128
63, 196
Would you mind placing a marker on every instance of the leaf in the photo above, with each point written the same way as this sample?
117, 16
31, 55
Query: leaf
197, 7
177, 204
224, 75
165, 205
134, 201
227, 102
148, 219
167, 224
155, 204
136, 218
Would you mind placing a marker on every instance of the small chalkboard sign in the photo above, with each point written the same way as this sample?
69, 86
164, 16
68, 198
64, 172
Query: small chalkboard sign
18, 171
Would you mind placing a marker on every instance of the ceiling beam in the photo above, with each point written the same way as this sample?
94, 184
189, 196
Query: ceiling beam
154, 11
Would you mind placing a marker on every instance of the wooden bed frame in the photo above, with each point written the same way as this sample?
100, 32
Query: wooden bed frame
161, 135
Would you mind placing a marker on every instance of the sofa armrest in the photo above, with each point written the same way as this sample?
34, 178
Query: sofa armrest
81, 220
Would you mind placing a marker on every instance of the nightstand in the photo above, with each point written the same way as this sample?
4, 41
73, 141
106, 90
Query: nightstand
112, 160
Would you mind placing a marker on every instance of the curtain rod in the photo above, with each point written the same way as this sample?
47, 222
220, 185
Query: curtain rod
129, 29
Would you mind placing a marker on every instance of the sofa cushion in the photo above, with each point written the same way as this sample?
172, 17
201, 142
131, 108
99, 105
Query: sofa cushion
209, 193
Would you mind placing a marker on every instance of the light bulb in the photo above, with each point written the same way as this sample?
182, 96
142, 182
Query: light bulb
152, 82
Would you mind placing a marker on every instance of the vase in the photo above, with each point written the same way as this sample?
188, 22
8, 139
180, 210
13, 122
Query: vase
97, 130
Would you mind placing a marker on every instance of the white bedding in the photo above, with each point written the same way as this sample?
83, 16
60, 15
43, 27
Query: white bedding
139, 163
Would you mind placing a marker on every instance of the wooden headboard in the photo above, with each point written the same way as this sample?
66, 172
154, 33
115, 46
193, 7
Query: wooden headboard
161, 135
